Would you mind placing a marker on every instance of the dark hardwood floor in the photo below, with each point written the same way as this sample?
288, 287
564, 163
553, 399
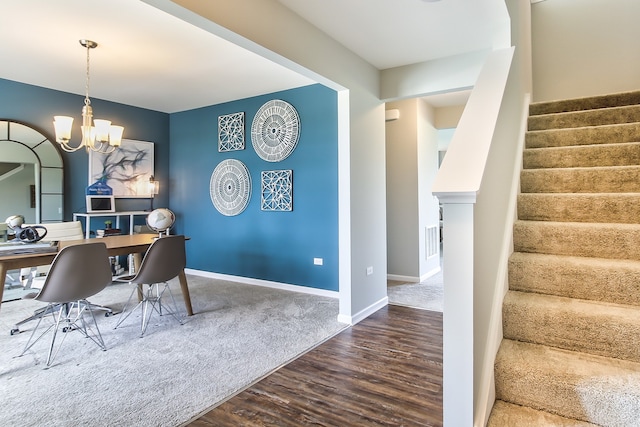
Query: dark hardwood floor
384, 371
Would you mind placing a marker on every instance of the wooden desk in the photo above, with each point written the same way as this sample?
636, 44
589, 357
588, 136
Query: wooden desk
135, 244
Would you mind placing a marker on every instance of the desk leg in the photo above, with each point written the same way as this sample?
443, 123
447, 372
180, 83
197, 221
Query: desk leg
185, 292
3, 273
137, 260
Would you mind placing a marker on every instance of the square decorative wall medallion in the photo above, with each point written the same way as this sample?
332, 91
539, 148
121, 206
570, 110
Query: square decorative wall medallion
277, 190
231, 132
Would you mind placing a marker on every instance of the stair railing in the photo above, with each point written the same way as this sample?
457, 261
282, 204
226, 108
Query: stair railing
477, 185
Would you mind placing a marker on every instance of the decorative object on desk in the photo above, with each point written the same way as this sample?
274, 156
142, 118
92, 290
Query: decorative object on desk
277, 191
100, 204
161, 220
108, 232
275, 130
99, 188
101, 137
230, 187
126, 171
107, 224
154, 187
29, 234
231, 132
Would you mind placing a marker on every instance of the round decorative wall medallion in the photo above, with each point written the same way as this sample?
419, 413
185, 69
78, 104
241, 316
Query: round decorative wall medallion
275, 130
230, 187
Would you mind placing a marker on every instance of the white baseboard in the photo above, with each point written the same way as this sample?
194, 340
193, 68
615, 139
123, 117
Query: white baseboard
264, 283
413, 279
363, 314
399, 278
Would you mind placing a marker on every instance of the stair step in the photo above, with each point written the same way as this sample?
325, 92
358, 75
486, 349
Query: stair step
598, 240
507, 414
609, 179
576, 119
592, 327
598, 279
623, 154
580, 207
616, 133
586, 387
585, 103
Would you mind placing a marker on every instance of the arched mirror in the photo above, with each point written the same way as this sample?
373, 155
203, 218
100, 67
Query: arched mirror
31, 174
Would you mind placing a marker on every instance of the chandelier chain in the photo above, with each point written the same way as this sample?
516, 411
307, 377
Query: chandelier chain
87, 101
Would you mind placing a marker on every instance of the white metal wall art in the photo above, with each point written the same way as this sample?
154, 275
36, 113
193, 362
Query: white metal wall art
277, 190
231, 132
230, 187
275, 130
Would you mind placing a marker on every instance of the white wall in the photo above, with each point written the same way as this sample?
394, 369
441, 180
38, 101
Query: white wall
412, 163
403, 229
585, 47
429, 207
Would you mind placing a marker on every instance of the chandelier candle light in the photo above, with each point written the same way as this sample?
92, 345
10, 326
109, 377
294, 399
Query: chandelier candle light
101, 137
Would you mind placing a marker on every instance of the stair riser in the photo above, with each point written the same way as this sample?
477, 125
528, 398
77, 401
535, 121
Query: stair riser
610, 208
588, 103
582, 156
506, 414
576, 239
626, 114
617, 179
584, 326
620, 133
594, 279
584, 387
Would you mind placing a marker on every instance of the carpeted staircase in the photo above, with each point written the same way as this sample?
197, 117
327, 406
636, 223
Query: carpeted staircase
571, 318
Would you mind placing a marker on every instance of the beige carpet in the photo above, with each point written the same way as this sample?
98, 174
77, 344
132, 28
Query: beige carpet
571, 318
426, 295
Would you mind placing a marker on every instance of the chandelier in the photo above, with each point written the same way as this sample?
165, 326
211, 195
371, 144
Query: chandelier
101, 136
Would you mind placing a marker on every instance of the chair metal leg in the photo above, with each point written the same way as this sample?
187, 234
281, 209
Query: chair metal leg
151, 301
68, 317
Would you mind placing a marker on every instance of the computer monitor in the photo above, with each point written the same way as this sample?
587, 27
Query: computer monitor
100, 204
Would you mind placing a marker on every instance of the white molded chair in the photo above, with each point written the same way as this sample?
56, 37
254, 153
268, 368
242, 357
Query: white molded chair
165, 259
77, 272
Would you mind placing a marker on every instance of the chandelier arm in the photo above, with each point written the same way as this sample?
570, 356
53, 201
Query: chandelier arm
68, 148
104, 147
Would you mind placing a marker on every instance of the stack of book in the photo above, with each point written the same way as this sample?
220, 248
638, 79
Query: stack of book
108, 232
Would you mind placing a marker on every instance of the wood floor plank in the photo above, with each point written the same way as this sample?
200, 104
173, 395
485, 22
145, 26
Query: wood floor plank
384, 371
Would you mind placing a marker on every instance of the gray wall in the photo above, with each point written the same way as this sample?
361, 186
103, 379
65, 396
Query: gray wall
585, 47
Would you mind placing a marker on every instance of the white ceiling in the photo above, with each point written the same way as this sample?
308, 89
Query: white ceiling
149, 59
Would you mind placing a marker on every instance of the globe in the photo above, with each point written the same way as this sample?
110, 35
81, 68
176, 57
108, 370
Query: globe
15, 222
160, 220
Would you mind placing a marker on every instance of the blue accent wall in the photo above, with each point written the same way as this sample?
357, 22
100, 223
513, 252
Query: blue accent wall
267, 245
35, 106
272, 246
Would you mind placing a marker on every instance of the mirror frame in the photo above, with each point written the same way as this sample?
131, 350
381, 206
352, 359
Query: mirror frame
49, 168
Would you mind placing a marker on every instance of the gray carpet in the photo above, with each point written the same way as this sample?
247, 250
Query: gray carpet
427, 295
239, 334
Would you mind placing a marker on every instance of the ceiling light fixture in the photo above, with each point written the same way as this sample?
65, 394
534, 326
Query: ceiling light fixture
101, 137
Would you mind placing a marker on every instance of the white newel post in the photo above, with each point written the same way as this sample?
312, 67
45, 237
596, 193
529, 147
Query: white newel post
458, 313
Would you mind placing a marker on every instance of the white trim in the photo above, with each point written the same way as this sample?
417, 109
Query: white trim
363, 314
412, 279
264, 283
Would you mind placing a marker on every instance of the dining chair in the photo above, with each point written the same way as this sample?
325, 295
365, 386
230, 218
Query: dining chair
77, 272
164, 260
